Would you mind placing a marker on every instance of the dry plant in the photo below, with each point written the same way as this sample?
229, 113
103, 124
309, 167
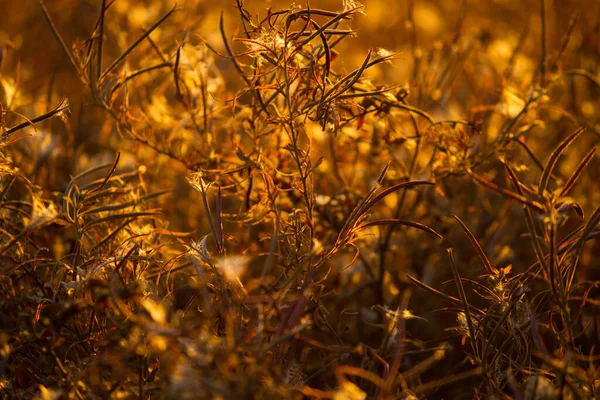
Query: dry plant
225, 216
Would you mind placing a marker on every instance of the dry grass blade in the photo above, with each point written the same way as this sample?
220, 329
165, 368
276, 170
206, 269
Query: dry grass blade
108, 175
531, 226
238, 67
349, 80
545, 178
62, 108
585, 74
486, 263
7, 187
232, 56
111, 236
331, 22
435, 292
100, 41
431, 386
399, 340
219, 221
578, 245
386, 192
59, 38
530, 153
584, 163
371, 199
135, 44
406, 107
358, 210
116, 207
90, 188
398, 222
519, 197
117, 217
176, 72
463, 297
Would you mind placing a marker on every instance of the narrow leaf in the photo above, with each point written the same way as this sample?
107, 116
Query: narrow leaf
59, 37
584, 163
477, 247
554, 158
520, 198
462, 295
139, 40
399, 222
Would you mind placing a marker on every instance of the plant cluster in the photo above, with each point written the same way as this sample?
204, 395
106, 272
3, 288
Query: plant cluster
221, 216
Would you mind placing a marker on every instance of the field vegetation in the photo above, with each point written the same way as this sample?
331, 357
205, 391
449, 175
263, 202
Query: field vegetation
325, 200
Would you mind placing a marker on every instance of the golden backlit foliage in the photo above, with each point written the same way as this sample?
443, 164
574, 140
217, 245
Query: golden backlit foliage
328, 200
